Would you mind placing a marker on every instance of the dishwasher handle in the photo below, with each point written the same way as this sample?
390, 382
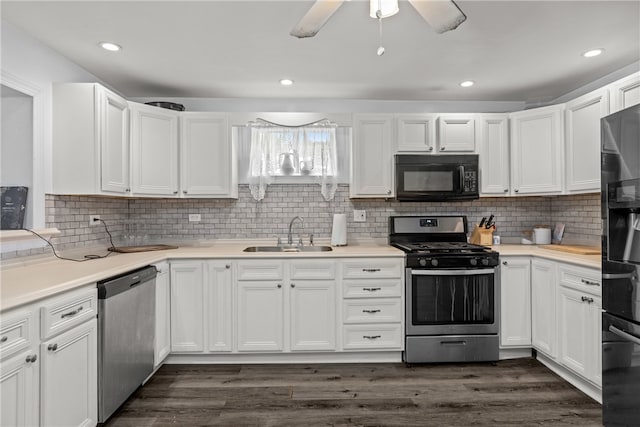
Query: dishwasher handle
116, 285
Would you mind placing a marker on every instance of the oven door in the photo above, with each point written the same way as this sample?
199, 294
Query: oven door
451, 302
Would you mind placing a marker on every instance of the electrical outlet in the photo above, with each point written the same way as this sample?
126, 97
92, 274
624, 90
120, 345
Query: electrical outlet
359, 215
195, 218
94, 220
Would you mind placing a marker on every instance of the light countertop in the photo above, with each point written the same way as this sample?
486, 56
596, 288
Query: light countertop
23, 283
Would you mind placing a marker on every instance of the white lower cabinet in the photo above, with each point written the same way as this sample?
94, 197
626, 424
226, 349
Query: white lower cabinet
515, 301
543, 306
69, 390
259, 316
312, 312
201, 300
162, 346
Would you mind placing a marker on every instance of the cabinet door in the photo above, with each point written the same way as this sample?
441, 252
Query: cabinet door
515, 302
220, 305
313, 315
19, 389
69, 376
582, 133
457, 133
371, 158
415, 132
543, 306
625, 92
163, 313
154, 142
187, 306
114, 141
574, 331
208, 158
260, 316
536, 142
494, 154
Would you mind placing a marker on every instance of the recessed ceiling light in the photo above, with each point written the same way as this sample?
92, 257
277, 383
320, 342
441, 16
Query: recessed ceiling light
286, 82
592, 53
467, 83
110, 46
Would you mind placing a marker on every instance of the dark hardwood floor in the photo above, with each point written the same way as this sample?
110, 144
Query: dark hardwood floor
512, 392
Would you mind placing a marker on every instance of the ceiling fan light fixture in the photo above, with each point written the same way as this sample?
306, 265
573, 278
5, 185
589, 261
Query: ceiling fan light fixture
592, 53
467, 83
387, 8
112, 47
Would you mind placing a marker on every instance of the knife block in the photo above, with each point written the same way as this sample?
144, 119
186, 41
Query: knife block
482, 236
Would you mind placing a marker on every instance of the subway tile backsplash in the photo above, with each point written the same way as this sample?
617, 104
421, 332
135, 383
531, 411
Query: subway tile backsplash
166, 220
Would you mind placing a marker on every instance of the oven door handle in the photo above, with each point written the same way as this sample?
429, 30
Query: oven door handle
478, 272
622, 334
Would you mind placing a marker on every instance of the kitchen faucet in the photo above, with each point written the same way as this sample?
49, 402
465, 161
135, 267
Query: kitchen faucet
289, 236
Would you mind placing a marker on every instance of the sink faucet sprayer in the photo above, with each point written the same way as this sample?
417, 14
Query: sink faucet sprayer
289, 236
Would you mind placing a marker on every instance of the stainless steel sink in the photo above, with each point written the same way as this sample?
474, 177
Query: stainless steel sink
288, 249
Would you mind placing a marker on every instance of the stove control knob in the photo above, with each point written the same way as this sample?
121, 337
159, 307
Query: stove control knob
473, 261
485, 261
434, 262
422, 262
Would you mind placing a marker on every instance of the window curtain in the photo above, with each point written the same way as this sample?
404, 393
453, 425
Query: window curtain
298, 151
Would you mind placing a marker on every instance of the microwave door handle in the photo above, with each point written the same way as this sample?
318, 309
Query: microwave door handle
461, 177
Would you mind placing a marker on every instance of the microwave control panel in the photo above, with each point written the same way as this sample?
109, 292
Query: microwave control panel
470, 181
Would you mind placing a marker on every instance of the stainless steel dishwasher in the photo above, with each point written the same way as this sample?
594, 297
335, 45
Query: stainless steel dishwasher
126, 336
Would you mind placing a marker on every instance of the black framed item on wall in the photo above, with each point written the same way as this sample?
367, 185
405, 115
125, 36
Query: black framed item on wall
13, 207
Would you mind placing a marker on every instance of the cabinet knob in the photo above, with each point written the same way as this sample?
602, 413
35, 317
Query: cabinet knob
504, 262
127, 190
388, 191
442, 148
227, 266
430, 149
175, 192
506, 190
293, 285
4, 339
52, 347
31, 358
279, 285
184, 191
516, 190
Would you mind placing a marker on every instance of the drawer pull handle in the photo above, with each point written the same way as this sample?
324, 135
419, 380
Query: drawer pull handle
370, 311
371, 337
52, 347
370, 270
371, 289
587, 299
72, 313
4, 339
589, 282
31, 358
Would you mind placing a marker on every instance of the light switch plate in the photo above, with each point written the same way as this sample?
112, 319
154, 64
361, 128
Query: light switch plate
359, 215
195, 218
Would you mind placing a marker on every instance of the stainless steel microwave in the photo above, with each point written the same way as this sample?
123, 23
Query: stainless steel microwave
435, 178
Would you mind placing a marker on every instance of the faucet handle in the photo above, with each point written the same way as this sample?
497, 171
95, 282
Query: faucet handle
279, 240
300, 242
311, 239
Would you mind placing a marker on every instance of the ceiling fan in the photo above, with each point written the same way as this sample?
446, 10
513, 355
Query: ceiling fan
441, 15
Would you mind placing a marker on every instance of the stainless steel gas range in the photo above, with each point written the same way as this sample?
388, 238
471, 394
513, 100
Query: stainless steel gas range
452, 291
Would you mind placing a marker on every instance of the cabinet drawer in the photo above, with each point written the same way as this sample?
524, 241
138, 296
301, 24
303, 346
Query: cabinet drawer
582, 279
313, 269
372, 288
260, 270
372, 310
62, 313
372, 268
372, 336
16, 331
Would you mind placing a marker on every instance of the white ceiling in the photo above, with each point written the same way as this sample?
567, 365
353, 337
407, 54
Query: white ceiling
526, 51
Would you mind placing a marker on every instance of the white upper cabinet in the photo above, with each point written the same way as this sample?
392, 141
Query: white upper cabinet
207, 158
90, 140
371, 156
493, 147
415, 133
537, 150
457, 133
625, 92
582, 136
154, 150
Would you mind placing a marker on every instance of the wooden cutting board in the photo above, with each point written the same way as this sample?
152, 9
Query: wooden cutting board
144, 248
574, 249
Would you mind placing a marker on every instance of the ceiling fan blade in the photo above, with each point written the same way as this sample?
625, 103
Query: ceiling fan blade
442, 15
315, 18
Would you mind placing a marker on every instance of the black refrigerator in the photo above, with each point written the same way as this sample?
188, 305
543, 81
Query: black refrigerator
620, 159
